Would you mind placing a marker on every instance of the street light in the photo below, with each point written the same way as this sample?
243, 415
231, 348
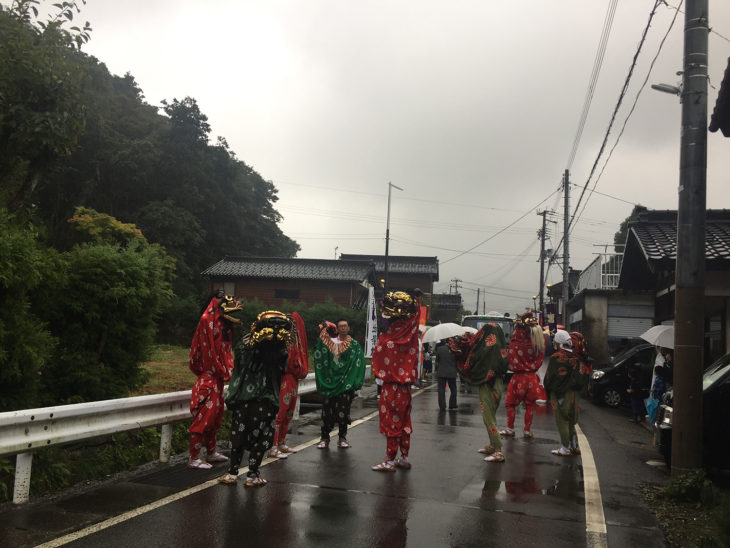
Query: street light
667, 88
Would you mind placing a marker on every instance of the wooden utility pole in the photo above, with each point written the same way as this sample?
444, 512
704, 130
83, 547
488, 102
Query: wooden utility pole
566, 248
476, 310
689, 295
543, 235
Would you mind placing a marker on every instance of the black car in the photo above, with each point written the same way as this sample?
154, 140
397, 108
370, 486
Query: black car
609, 383
715, 408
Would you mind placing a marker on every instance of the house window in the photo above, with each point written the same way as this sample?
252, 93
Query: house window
286, 293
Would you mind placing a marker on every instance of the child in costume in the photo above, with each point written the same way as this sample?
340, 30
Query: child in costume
395, 362
211, 359
525, 354
253, 393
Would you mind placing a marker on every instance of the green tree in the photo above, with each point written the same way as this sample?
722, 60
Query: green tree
41, 106
25, 342
105, 312
619, 239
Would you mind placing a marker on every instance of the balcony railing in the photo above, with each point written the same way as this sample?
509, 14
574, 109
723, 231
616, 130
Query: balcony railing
602, 273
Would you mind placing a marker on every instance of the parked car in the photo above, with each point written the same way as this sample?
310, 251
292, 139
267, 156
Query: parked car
715, 409
608, 384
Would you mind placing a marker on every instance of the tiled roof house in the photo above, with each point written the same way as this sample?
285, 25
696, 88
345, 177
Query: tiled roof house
344, 280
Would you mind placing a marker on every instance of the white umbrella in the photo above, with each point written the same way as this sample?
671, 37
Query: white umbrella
660, 335
445, 331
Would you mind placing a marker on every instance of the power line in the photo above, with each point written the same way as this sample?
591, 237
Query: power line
594, 191
502, 230
597, 63
712, 31
633, 107
618, 103
613, 116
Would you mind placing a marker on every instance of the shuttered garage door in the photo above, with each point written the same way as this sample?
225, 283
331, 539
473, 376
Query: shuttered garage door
629, 320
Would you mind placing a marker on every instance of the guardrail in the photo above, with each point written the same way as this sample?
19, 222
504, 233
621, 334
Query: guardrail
26, 431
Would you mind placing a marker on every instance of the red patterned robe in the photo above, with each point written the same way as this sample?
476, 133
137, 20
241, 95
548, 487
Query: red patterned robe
395, 362
524, 361
211, 359
297, 367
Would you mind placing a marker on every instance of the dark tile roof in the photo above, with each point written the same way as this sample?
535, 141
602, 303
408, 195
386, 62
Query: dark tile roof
401, 264
296, 269
656, 232
721, 114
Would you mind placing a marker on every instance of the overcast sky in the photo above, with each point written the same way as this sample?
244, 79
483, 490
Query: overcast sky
470, 106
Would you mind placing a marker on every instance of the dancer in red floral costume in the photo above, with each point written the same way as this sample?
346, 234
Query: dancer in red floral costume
525, 354
395, 361
211, 359
297, 367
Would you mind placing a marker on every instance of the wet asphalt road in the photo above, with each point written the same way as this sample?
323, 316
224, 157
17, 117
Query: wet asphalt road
450, 497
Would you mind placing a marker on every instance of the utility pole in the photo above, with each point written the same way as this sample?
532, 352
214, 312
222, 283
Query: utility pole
566, 248
387, 235
543, 235
476, 310
456, 281
689, 294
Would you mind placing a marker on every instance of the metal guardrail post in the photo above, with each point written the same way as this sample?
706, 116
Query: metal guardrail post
21, 489
296, 409
165, 442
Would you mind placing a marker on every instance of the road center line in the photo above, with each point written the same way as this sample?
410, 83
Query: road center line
126, 516
596, 534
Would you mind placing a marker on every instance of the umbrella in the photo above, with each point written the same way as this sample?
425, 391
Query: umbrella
445, 331
660, 335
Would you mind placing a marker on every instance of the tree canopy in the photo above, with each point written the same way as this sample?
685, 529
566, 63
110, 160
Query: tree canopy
110, 208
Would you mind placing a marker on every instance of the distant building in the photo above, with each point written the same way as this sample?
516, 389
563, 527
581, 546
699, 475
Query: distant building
344, 280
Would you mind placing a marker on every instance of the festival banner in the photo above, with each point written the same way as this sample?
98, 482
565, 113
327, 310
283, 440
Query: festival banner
371, 337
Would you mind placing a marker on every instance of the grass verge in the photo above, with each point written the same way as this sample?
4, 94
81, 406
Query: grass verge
691, 511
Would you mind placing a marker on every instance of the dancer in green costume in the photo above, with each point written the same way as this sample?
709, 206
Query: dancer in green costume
482, 360
339, 366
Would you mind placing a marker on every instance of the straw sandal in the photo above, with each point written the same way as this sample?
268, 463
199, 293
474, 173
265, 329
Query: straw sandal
497, 456
216, 457
323, 444
255, 482
228, 479
343, 444
385, 466
528, 434
486, 450
199, 464
284, 448
507, 433
275, 453
402, 462
562, 452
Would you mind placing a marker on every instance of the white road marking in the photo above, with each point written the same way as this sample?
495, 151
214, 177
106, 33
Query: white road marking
121, 518
596, 534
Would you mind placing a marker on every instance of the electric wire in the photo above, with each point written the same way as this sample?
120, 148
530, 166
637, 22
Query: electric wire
619, 102
633, 107
502, 230
597, 64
